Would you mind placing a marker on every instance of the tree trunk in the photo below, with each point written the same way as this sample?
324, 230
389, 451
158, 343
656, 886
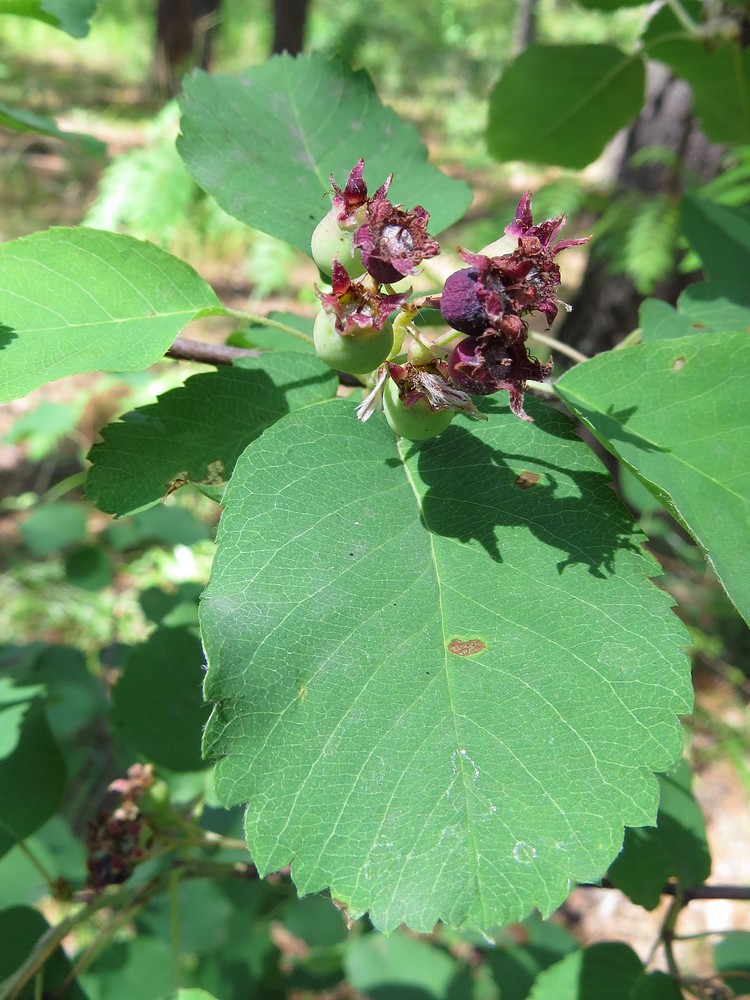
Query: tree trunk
289, 19
606, 305
524, 27
184, 30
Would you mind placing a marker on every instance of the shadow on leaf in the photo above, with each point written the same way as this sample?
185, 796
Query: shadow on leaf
588, 528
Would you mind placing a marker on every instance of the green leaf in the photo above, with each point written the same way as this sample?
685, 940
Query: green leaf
157, 704
34, 751
316, 921
15, 702
53, 526
676, 846
55, 848
660, 321
139, 969
732, 954
265, 142
719, 77
89, 567
674, 413
399, 968
247, 963
398, 640
597, 90
81, 300
20, 120
210, 419
160, 525
21, 927
74, 697
609, 971
71, 16
717, 307
44, 427
160, 605
523, 951
719, 235
664, 23
204, 911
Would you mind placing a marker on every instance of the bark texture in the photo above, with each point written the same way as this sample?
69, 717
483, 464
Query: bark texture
184, 30
606, 306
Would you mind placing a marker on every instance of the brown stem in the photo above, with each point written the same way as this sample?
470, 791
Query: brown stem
741, 892
210, 354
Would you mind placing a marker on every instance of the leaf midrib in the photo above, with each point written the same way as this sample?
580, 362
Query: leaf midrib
441, 615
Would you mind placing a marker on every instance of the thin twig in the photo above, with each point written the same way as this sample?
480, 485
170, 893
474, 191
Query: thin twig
210, 354
557, 345
683, 17
741, 892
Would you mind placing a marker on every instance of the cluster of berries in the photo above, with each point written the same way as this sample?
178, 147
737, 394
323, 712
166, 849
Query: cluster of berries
367, 245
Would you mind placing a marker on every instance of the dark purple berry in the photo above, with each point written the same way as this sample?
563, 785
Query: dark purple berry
460, 303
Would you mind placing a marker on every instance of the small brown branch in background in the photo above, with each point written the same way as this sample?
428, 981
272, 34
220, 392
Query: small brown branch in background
210, 354
219, 354
694, 892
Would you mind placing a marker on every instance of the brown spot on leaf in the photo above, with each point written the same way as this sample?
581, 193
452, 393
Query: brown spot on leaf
677, 364
465, 647
527, 479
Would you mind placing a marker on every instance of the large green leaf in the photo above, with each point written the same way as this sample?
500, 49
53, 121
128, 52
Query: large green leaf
609, 971
21, 928
401, 968
676, 846
719, 76
717, 307
157, 706
563, 103
720, 235
140, 968
71, 16
732, 954
659, 320
265, 142
21, 120
523, 951
148, 448
81, 300
28, 749
675, 412
440, 684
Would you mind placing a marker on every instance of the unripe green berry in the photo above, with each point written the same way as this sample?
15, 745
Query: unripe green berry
417, 422
357, 353
330, 240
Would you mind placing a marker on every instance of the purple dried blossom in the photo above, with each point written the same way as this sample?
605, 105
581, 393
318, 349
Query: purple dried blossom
482, 366
353, 197
357, 304
494, 292
392, 240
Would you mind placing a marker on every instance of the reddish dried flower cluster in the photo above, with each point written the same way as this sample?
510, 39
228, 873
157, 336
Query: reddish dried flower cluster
487, 301
357, 305
117, 841
392, 240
